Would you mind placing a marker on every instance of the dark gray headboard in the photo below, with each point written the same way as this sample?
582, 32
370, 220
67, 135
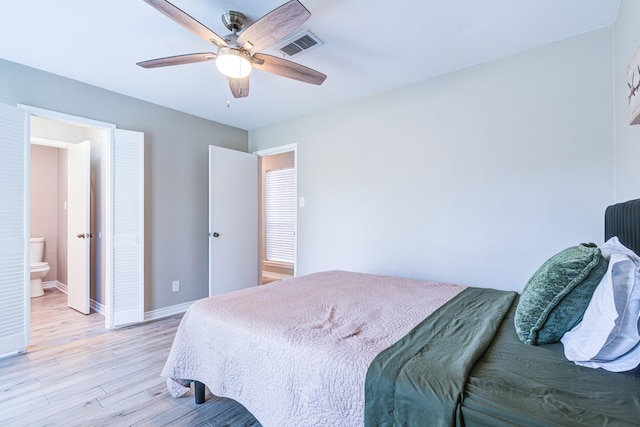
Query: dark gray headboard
623, 220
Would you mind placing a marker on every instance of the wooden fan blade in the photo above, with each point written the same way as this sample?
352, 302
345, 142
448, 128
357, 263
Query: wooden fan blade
274, 26
188, 22
239, 87
178, 60
285, 68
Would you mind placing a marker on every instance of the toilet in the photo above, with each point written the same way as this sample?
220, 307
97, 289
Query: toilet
38, 267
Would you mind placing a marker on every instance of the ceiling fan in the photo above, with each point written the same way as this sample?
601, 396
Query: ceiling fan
239, 52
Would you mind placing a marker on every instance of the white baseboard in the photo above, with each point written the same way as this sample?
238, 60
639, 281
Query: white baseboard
12, 354
55, 284
167, 311
98, 307
148, 315
95, 305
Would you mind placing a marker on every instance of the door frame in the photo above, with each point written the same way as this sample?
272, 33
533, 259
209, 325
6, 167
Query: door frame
107, 232
269, 152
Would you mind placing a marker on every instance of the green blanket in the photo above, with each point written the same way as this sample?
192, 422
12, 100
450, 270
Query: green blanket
420, 379
517, 384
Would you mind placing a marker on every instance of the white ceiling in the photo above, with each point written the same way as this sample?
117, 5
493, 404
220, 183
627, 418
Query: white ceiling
369, 47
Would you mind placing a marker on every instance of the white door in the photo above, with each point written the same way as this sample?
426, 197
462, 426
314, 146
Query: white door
14, 230
233, 220
127, 260
78, 226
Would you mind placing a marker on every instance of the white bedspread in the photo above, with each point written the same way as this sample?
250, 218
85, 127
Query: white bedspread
296, 352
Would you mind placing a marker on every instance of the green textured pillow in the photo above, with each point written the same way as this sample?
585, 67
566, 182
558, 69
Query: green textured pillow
557, 295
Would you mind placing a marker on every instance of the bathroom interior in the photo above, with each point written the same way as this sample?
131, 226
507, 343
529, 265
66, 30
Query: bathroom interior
49, 228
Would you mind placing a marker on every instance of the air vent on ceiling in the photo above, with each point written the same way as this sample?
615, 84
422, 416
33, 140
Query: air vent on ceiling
299, 43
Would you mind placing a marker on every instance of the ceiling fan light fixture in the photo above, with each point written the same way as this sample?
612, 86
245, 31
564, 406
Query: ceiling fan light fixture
233, 63
240, 51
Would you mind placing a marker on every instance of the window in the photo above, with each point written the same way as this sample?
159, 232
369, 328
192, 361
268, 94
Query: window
281, 215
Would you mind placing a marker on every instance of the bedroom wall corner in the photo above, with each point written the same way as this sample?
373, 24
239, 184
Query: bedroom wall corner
627, 138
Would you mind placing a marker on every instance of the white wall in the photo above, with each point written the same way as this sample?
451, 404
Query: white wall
475, 177
627, 42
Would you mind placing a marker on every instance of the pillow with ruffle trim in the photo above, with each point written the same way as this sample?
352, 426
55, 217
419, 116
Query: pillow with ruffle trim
557, 295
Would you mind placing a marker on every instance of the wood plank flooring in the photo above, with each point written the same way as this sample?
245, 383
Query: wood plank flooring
91, 376
53, 322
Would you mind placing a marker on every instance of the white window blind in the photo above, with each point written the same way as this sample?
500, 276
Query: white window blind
281, 214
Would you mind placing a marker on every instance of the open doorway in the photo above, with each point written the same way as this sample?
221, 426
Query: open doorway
71, 290
278, 213
116, 157
239, 251
121, 241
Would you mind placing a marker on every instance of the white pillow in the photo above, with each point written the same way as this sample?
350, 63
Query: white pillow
608, 336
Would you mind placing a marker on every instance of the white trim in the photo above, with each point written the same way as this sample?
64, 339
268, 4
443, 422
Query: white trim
97, 307
101, 308
167, 311
75, 120
54, 284
37, 140
12, 354
277, 150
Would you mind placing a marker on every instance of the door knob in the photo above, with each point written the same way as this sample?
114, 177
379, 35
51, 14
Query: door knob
216, 234
81, 236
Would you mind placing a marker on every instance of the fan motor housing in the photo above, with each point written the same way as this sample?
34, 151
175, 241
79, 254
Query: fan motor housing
233, 20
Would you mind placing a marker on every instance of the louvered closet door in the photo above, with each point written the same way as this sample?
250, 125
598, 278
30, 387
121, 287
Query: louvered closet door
128, 228
14, 231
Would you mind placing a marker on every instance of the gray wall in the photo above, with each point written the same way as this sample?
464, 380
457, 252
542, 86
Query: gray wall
475, 177
176, 171
627, 42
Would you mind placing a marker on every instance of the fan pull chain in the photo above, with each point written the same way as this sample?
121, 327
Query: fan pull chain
228, 96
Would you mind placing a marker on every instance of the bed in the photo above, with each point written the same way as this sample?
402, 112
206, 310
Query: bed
351, 349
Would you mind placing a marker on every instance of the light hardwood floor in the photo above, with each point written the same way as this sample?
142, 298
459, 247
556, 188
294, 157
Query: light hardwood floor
54, 323
91, 376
